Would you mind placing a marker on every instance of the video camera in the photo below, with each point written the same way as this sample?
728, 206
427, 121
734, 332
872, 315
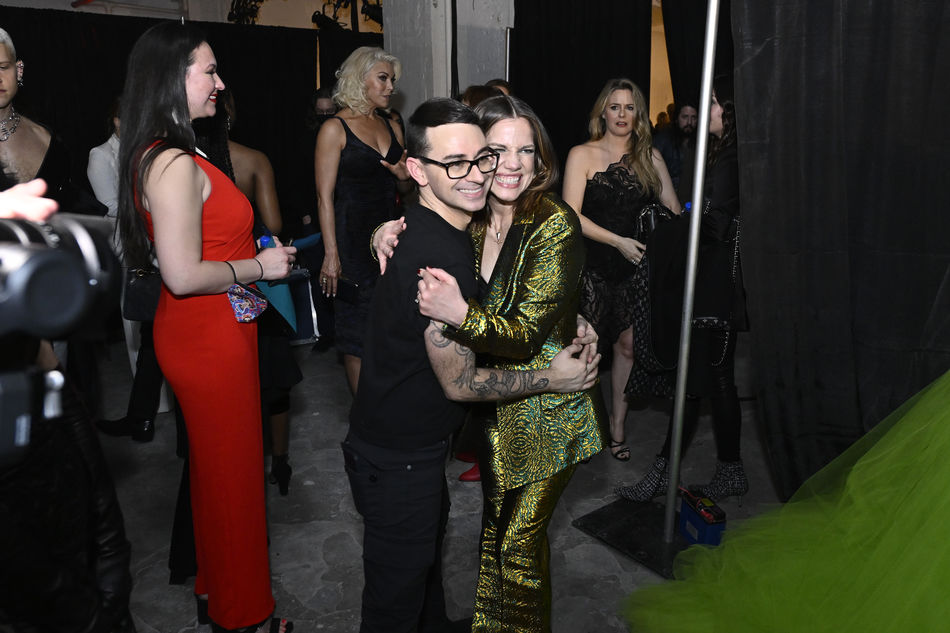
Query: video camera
54, 279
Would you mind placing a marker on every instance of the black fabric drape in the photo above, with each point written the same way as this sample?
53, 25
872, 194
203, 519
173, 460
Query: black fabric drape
846, 235
684, 23
336, 46
564, 51
75, 66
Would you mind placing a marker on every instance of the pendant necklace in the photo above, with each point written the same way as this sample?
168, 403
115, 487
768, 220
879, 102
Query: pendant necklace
9, 125
498, 233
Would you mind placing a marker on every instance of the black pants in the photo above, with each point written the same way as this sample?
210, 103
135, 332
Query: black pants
147, 384
64, 555
720, 385
404, 501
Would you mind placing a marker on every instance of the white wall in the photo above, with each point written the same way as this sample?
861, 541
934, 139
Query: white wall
417, 32
482, 27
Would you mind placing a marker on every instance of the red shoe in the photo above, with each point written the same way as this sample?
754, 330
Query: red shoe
466, 456
472, 474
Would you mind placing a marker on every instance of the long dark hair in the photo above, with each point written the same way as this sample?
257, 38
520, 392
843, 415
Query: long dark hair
546, 171
154, 107
723, 88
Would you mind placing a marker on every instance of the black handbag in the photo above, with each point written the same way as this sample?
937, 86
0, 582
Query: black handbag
650, 216
140, 299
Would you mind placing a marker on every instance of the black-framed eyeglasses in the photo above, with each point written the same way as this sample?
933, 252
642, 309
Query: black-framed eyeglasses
487, 163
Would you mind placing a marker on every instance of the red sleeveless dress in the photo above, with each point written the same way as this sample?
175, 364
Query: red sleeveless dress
210, 360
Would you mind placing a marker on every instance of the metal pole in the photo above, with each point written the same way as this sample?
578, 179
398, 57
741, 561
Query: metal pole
507, 53
702, 135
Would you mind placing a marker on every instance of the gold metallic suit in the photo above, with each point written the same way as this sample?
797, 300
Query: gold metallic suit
526, 318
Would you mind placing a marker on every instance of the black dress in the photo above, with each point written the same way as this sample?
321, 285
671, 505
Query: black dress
719, 309
364, 198
613, 200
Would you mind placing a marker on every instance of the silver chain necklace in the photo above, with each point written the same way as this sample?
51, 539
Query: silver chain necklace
9, 125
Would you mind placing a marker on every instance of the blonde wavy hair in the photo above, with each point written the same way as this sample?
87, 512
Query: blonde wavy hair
639, 155
350, 90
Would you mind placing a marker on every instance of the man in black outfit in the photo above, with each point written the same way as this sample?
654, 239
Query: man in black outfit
404, 410
677, 144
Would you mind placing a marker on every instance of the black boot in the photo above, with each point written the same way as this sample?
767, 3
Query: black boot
280, 472
729, 481
139, 430
653, 484
111, 548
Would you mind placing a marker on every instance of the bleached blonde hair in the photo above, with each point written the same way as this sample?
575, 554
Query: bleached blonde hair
350, 89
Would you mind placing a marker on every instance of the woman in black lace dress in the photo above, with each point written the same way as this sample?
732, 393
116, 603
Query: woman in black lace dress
607, 181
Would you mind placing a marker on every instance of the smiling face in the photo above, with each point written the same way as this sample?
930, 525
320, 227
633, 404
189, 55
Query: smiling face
380, 82
202, 83
448, 196
513, 139
620, 113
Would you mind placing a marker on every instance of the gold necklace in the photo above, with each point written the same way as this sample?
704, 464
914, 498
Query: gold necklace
9, 125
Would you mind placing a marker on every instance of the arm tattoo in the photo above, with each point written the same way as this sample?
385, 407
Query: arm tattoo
474, 383
438, 338
495, 384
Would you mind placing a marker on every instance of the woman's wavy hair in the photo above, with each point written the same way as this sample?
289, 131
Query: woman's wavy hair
723, 88
638, 156
546, 170
154, 107
350, 90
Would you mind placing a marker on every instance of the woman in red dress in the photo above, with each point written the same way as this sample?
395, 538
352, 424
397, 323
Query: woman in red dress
176, 207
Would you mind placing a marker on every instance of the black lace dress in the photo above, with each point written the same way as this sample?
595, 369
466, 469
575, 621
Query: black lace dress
613, 200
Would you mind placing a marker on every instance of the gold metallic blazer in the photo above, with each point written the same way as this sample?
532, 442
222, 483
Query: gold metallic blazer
528, 315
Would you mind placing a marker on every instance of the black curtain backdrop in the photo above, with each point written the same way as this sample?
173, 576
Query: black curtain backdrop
564, 51
75, 66
336, 46
684, 23
843, 150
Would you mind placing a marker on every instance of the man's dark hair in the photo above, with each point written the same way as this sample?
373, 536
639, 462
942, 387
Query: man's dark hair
499, 83
433, 113
675, 130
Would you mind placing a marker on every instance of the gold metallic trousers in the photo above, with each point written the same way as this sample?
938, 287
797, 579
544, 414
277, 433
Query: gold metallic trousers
514, 581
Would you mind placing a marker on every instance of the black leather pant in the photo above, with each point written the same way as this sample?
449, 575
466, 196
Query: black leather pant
726, 413
64, 556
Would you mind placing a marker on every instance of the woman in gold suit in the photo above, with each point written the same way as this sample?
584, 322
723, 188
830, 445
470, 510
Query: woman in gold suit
530, 251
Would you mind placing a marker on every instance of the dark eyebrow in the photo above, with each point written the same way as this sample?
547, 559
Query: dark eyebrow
478, 154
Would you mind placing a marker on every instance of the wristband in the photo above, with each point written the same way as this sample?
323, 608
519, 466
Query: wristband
233, 274
261, 266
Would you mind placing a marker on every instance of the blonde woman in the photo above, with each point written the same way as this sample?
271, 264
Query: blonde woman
358, 165
607, 181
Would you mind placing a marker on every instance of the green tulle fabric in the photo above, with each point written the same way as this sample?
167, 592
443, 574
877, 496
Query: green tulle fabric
862, 546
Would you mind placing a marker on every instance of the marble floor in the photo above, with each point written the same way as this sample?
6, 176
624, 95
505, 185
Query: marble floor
315, 531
